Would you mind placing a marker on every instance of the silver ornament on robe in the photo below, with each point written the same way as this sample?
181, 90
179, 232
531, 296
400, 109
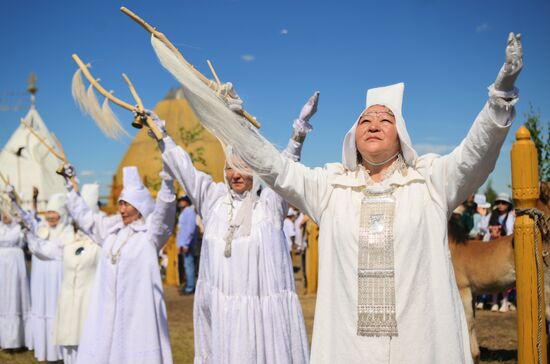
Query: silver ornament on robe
376, 284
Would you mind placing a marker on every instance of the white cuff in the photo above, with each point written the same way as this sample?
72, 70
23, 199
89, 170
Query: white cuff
503, 99
302, 127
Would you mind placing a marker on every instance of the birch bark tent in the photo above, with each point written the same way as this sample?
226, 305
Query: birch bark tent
26, 162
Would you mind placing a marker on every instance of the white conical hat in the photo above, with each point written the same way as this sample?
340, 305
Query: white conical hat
392, 98
90, 194
134, 192
57, 203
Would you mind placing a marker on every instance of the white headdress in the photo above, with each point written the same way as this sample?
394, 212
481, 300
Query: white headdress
135, 193
57, 203
90, 194
392, 98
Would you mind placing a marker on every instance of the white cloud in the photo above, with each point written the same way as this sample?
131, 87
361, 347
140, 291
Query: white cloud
248, 57
482, 28
284, 31
86, 173
433, 148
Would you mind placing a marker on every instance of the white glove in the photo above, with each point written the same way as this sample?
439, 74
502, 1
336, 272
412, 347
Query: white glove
233, 100
513, 64
310, 108
161, 124
68, 170
301, 125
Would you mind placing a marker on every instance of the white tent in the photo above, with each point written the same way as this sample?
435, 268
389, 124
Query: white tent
27, 163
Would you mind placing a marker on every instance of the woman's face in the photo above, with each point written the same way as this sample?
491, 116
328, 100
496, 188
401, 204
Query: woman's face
128, 212
502, 207
52, 218
376, 134
6, 219
238, 182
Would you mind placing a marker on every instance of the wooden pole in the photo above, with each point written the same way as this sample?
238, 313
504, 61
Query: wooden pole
141, 110
172, 276
312, 256
525, 191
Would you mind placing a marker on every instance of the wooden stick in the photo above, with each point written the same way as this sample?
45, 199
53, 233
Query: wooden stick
60, 170
43, 142
61, 156
141, 112
160, 36
4, 179
214, 72
100, 88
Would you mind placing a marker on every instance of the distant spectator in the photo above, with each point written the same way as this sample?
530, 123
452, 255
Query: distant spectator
186, 241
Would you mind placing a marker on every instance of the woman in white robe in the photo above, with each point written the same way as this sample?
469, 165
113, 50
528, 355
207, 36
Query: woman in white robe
246, 309
387, 292
46, 277
79, 257
126, 321
14, 284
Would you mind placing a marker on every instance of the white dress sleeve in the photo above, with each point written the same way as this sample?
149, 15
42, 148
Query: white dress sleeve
51, 249
199, 186
95, 225
457, 175
160, 222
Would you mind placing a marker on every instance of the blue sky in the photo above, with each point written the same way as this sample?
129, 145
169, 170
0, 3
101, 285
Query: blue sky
277, 53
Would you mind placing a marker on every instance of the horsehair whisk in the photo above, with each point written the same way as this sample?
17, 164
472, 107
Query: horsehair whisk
215, 86
103, 115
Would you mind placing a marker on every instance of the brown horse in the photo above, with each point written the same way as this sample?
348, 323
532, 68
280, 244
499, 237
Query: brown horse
488, 267
481, 267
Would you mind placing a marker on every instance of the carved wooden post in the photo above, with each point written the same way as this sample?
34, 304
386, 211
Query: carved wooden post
525, 191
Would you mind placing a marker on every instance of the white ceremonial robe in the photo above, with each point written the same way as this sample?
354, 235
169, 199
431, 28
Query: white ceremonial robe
430, 317
126, 320
79, 257
15, 301
246, 309
46, 278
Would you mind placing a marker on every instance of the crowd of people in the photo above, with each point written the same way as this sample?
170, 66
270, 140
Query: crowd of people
96, 294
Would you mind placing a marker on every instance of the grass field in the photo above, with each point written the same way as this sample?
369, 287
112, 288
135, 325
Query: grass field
496, 332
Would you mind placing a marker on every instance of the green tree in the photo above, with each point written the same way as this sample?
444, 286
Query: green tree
541, 140
490, 193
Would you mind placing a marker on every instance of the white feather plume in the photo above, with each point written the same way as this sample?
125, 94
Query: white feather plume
233, 130
103, 116
79, 91
116, 131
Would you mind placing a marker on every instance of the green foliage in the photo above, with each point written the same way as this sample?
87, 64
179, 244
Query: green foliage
541, 140
190, 136
490, 193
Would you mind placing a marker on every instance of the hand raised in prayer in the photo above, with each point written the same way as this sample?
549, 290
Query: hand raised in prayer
310, 108
513, 64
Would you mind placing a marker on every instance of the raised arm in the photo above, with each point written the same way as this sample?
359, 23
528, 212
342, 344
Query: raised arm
161, 221
303, 187
199, 186
464, 170
301, 128
47, 249
96, 225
